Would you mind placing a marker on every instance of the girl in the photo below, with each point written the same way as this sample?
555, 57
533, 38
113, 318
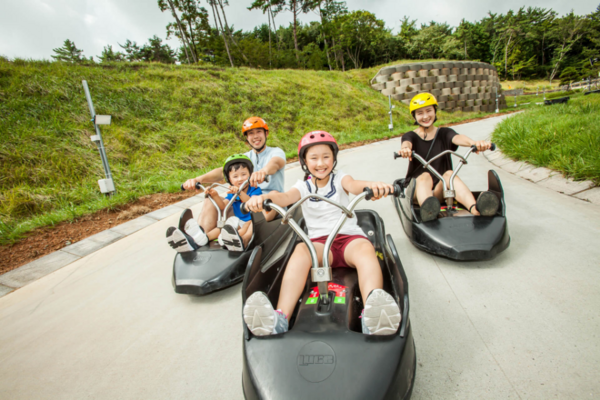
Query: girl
317, 153
429, 141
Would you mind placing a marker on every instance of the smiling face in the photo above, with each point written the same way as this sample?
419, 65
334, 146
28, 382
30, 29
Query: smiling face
257, 138
319, 160
238, 176
425, 116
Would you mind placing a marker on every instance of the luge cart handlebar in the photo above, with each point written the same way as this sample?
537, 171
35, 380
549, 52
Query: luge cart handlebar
320, 275
449, 192
222, 216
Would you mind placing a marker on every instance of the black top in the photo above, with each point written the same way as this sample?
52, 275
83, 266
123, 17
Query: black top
421, 147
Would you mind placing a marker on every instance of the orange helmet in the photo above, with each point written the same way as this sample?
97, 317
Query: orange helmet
254, 122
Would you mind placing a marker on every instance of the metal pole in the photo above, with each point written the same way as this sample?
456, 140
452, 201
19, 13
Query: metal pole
589, 83
391, 125
515, 99
544, 93
496, 91
99, 141
537, 91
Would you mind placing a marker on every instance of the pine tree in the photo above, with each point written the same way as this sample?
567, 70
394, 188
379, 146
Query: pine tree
69, 53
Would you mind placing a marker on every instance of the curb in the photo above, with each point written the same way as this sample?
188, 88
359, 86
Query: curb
548, 178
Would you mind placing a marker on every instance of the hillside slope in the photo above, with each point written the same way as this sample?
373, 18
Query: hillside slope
169, 123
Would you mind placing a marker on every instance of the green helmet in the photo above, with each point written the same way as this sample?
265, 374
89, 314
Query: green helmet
234, 159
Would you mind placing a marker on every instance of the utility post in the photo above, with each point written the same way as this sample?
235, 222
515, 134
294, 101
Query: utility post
106, 185
496, 92
391, 125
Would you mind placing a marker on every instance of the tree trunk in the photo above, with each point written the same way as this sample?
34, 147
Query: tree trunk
324, 39
269, 18
231, 35
193, 47
183, 37
335, 57
543, 58
294, 2
506, 57
219, 24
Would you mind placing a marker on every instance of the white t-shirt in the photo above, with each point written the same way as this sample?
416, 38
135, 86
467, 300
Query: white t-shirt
321, 216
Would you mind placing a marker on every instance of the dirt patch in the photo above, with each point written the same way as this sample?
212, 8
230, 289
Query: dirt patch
43, 241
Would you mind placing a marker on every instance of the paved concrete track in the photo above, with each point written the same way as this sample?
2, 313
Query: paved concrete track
524, 325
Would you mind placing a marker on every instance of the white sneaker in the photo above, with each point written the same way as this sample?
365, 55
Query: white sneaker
261, 318
381, 315
196, 232
233, 221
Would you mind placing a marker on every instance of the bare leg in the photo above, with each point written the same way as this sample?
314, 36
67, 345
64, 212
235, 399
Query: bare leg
208, 216
295, 276
246, 232
463, 194
424, 187
360, 254
213, 234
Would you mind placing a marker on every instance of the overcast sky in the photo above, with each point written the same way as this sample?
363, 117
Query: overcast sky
32, 28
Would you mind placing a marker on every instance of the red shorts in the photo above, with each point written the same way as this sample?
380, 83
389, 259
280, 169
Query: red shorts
338, 247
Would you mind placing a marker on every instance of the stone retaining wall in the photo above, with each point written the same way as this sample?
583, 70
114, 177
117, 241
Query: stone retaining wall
457, 85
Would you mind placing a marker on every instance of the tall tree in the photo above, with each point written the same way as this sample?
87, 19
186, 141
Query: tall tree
220, 29
570, 29
220, 3
170, 4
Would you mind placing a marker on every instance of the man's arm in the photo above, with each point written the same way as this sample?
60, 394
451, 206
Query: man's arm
274, 165
216, 175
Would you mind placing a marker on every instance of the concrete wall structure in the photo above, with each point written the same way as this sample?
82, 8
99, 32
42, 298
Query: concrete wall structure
457, 85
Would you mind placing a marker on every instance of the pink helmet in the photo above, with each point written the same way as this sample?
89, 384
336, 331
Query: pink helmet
314, 138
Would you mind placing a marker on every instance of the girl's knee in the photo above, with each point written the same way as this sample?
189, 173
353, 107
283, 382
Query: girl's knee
424, 178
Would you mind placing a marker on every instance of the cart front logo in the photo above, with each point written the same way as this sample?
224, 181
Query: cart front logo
316, 361
304, 360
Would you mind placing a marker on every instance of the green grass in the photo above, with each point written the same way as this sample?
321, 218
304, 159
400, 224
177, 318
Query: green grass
169, 123
563, 137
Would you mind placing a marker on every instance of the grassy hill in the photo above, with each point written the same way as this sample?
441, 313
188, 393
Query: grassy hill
169, 123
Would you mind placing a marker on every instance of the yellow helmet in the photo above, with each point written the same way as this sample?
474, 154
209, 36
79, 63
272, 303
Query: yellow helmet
422, 100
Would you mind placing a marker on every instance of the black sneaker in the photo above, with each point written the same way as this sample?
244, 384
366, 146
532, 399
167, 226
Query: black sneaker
186, 215
487, 204
430, 209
